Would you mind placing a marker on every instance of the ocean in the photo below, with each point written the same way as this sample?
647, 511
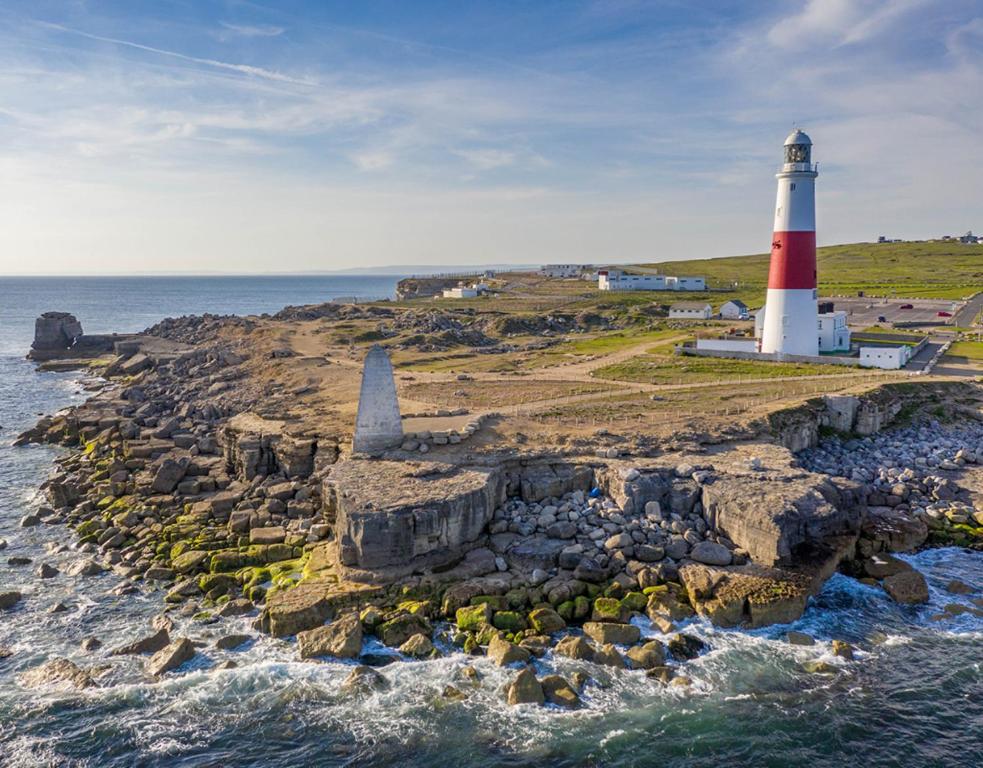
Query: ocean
913, 697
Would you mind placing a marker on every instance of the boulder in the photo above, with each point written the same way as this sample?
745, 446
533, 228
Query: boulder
271, 535
87, 567
57, 672
342, 638
419, 646
575, 647
150, 644
710, 553
684, 647
525, 689
609, 656
907, 587
799, 638
364, 679
9, 599
882, 565
545, 620
609, 632
646, 656
171, 657
472, 617
503, 653
558, 691
169, 473
397, 630
231, 642
897, 531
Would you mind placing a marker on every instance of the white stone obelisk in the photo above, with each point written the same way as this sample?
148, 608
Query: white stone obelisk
378, 424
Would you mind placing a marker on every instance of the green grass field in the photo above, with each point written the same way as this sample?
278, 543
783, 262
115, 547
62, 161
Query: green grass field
920, 269
651, 369
968, 350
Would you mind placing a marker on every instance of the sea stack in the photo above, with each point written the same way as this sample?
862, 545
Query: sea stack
378, 424
791, 322
54, 334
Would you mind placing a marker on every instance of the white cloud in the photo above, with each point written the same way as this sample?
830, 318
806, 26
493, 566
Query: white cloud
837, 21
372, 161
486, 159
250, 30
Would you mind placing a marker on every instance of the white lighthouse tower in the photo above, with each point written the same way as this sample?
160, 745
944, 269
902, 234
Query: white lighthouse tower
791, 322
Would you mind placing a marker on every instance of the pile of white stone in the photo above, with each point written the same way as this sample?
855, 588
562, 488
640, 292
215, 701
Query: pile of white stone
599, 530
423, 442
903, 469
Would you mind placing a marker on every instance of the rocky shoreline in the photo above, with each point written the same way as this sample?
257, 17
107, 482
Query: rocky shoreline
183, 481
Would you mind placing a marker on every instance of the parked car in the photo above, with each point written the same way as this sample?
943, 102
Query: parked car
881, 319
944, 314
907, 306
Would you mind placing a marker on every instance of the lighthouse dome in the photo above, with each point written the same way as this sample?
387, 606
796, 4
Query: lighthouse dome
798, 137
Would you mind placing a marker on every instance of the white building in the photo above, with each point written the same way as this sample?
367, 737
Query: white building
690, 310
686, 283
890, 358
461, 292
562, 270
834, 336
617, 280
728, 345
735, 309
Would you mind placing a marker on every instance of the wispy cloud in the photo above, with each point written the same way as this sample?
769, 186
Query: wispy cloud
251, 30
246, 69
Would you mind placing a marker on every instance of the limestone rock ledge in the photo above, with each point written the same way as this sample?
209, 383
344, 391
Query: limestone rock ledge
756, 595
395, 517
774, 516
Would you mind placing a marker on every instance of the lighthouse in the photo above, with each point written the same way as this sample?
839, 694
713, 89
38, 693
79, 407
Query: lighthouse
791, 322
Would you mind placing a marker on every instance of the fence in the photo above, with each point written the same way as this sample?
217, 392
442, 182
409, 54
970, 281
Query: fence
674, 414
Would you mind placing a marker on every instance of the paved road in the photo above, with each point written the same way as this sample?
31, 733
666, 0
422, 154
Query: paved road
969, 313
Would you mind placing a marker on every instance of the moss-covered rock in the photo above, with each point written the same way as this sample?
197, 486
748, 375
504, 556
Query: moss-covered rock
634, 601
190, 562
608, 609
565, 610
400, 628
509, 621
546, 620
221, 581
581, 608
472, 617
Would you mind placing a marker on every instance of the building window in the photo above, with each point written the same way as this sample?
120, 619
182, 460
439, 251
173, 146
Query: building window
792, 186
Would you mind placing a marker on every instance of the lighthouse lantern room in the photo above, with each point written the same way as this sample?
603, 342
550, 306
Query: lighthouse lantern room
791, 322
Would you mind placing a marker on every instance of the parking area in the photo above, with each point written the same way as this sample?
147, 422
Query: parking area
864, 312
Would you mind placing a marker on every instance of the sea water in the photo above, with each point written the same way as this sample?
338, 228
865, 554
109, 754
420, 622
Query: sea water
912, 697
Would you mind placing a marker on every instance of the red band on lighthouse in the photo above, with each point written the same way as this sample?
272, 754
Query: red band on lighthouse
793, 260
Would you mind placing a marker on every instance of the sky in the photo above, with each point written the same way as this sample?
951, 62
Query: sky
190, 135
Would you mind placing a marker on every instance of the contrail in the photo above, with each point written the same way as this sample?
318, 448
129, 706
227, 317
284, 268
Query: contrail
245, 69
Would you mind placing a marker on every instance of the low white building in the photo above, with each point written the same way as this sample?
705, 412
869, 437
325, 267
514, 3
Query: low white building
889, 358
562, 270
461, 292
735, 309
618, 280
686, 283
834, 336
728, 345
690, 310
